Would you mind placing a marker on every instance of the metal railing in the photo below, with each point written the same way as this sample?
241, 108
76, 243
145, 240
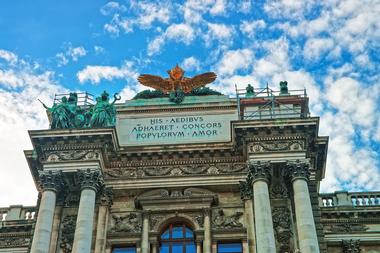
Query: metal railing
83, 98
273, 108
353, 199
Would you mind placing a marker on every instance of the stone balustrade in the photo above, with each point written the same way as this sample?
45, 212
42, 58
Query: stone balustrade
17, 212
349, 199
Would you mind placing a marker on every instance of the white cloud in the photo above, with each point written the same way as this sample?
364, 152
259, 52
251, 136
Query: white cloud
112, 7
191, 63
315, 47
245, 6
8, 56
73, 53
218, 8
21, 112
295, 9
98, 49
219, 32
234, 60
250, 27
149, 12
95, 74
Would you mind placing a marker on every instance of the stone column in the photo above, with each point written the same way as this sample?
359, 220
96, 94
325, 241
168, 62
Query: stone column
207, 231
90, 181
246, 196
154, 246
145, 233
307, 234
101, 227
260, 175
55, 231
50, 183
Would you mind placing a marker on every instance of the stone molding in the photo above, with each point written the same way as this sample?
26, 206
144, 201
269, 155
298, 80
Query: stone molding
298, 170
90, 179
49, 180
259, 171
72, 155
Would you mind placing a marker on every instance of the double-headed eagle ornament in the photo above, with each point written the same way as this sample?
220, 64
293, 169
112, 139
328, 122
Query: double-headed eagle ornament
177, 85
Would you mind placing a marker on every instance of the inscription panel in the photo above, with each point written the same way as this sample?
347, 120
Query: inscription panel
176, 129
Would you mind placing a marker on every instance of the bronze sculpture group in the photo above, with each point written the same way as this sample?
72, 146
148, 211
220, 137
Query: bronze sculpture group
67, 113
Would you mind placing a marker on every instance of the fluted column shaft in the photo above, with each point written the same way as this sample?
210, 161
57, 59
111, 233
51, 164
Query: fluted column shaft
145, 233
49, 183
306, 231
263, 216
207, 231
90, 183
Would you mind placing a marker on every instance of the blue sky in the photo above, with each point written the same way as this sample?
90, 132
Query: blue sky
328, 47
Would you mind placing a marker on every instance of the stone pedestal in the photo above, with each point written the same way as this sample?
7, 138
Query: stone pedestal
260, 175
50, 183
307, 234
90, 182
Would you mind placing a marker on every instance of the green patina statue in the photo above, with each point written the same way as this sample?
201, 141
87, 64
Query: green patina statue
104, 112
284, 88
67, 113
250, 91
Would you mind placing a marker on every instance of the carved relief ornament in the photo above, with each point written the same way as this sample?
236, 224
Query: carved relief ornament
49, 180
276, 146
259, 171
298, 169
67, 233
351, 246
126, 223
222, 221
92, 179
72, 155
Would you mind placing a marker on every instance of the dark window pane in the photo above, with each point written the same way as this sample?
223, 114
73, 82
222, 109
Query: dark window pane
164, 248
189, 233
229, 247
177, 232
165, 235
190, 248
124, 250
177, 247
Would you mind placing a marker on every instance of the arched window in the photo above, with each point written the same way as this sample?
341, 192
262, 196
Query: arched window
177, 238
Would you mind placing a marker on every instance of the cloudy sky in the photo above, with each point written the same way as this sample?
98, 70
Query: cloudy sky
328, 47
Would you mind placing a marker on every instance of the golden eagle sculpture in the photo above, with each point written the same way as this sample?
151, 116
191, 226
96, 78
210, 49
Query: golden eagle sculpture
176, 81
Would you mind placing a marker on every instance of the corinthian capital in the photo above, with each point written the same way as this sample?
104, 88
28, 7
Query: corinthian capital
49, 180
298, 170
91, 179
259, 171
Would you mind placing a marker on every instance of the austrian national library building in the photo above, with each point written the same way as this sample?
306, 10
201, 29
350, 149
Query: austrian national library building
185, 169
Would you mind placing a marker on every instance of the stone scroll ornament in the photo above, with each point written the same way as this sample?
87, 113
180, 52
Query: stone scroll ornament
177, 85
68, 114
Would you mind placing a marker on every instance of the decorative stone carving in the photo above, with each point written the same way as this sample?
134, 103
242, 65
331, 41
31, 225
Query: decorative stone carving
9, 242
298, 169
222, 221
259, 171
245, 190
282, 228
106, 196
347, 228
198, 218
128, 223
90, 179
275, 146
67, 233
72, 155
278, 190
351, 246
154, 220
49, 180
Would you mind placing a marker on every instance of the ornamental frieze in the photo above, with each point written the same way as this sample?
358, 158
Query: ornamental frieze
10, 242
276, 146
194, 169
347, 228
130, 223
58, 156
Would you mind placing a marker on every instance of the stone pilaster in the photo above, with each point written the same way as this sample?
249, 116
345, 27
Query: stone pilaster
49, 183
260, 175
90, 181
207, 231
101, 226
246, 196
145, 233
306, 231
